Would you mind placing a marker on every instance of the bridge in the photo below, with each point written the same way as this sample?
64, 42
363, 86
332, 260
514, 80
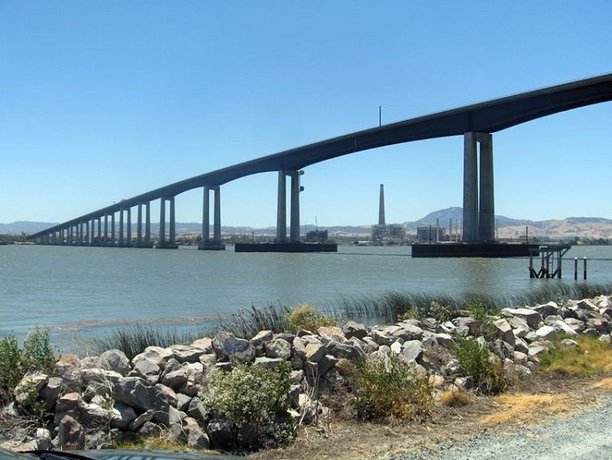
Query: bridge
112, 225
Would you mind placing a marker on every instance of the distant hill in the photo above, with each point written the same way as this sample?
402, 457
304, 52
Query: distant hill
24, 226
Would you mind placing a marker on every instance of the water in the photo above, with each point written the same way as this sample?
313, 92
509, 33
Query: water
81, 291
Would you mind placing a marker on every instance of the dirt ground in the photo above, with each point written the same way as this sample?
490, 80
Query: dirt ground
532, 401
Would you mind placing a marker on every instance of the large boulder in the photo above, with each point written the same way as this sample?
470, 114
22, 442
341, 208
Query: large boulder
227, 346
114, 360
133, 392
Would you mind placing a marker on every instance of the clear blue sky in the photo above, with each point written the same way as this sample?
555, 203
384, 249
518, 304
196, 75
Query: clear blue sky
104, 100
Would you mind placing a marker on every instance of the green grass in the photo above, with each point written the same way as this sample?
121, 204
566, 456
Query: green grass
591, 357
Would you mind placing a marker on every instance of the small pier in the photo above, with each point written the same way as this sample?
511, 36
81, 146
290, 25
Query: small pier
473, 249
551, 260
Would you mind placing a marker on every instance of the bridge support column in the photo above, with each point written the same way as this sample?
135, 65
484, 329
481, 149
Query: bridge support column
294, 231
139, 226
128, 229
148, 224
99, 241
164, 243
206, 243
478, 196
112, 236
105, 237
281, 212
121, 240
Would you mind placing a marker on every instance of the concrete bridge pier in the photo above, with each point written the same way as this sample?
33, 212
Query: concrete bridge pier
206, 243
169, 243
281, 215
112, 235
478, 195
121, 236
128, 229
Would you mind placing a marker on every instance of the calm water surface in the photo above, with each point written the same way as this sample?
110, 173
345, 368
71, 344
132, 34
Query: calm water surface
80, 291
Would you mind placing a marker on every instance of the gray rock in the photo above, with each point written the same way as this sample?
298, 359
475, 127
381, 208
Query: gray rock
205, 344
408, 331
353, 329
268, 363
197, 411
342, 350
412, 350
42, 439
546, 333
547, 309
121, 416
278, 348
175, 379
149, 429
261, 338
67, 404
521, 346
227, 346
169, 393
504, 331
133, 392
114, 360
396, 347
222, 434
141, 420
158, 355
561, 326
51, 391
331, 332
187, 353
147, 369
531, 317
175, 416
71, 435
196, 438
30, 384
183, 401
92, 415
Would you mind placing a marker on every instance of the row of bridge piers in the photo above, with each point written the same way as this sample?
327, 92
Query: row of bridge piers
113, 226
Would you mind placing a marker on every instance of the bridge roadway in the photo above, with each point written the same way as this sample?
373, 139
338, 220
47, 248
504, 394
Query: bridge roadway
475, 122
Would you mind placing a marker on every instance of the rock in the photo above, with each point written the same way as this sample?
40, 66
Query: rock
412, 350
227, 346
70, 434
169, 393
278, 348
149, 429
521, 346
436, 381
197, 411
331, 332
547, 309
121, 416
465, 383
141, 420
67, 404
29, 386
132, 391
187, 353
261, 338
546, 333
531, 317
605, 338
342, 350
147, 369
353, 329
196, 438
561, 326
99, 439
314, 352
158, 355
92, 415
396, 347
175, 379
208, 361
42, 439
268, 363
205, 344
520, 358
222, 434
408, 331
569, 343
51, 391
384, 335
504, 331
175, 417
98, 375
536, 350
114, 360
183, 401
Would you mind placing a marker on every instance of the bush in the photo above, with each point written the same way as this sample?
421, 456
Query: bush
387, 387
36, 356
476, 360
253, 397
306, 317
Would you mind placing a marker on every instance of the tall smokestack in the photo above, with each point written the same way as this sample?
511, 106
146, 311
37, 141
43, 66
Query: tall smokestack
381, 206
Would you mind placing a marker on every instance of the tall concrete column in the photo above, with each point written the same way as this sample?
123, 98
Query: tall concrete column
128, 230
148, 223
139, 226
470, 188
162, 222
121, 227
281, 212
206, 217
217, 222
486, 217
99, 230
381, 206
105, 238
113, 235
172, 230
294, 234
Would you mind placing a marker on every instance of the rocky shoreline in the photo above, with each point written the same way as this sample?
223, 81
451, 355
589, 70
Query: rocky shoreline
96, 399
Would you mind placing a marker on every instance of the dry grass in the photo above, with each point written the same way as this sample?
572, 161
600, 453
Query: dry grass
605, 384
521, 408
455, 398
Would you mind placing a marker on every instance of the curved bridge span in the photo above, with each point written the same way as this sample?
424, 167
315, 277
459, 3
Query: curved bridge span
475, 122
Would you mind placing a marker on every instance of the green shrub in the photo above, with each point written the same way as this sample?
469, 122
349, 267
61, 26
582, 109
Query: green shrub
36, 356
256, 397
476, 360
306, 317
386, 386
